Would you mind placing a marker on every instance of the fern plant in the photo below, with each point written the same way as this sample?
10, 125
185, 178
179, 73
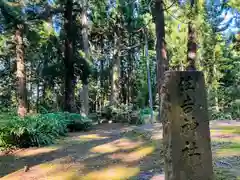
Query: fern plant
39, 130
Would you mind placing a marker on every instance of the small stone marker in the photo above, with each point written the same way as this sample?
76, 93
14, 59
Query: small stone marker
186, 133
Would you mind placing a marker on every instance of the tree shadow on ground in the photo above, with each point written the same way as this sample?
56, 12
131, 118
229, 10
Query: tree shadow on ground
93, 154
110, 152
13, 162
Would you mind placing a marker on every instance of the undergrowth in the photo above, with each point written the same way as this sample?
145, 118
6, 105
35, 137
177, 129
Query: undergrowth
38, 130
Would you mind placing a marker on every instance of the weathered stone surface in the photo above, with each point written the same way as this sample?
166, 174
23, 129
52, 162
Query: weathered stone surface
186, 133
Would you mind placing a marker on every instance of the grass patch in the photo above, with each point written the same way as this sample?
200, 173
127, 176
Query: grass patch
232, 150
227, 129
224, 174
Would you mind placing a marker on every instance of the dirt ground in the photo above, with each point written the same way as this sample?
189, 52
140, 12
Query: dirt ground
115, 152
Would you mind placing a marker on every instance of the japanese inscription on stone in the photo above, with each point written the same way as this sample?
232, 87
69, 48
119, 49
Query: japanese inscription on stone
186, 87
186, 135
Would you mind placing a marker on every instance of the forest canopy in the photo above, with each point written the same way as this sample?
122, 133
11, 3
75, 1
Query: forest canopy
86, 56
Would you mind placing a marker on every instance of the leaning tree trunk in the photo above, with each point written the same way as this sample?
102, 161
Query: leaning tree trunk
21, 73
85, 94
69, 102
162, 61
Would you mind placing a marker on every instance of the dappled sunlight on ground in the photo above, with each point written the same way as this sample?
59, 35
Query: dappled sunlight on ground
34, 172
62, 168
35, 151
136, 155
119, 172
67, 175
90, 137
82, 138
105, 148
120, 144
106, 153
125, 143
64, 171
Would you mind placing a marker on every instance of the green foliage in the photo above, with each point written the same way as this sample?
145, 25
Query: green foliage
77, 122
141, 83
123, 21
220, 115
126, 114
121, 113
38, 130
234, 4
35, 130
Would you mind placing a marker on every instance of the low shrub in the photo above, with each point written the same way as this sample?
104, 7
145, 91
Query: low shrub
39, 130
77, 122
94, 117
35, 130
123, 114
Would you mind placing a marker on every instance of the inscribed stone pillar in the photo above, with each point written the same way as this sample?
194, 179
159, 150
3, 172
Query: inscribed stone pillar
186, 133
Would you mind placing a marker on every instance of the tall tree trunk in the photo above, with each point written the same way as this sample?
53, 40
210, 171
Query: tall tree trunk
162, 61
84, 99
192, 43
85, 94
213, 79
69, 101
102, 95
115, 80
129, 71
149, 78
21, 74
191, 48
115, 74
30, 90
37, 101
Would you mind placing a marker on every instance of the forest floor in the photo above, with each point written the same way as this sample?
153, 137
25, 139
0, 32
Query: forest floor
116, 152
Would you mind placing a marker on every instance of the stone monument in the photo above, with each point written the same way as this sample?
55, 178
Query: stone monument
186, 133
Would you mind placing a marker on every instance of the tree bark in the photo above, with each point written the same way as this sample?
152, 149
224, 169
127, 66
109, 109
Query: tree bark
69, 101
115, 80
129, 71
161, 51
102, 96
84, 100
149, 78
192, 42
21, 73
84, 22
37, 101
191, 48
115, 74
